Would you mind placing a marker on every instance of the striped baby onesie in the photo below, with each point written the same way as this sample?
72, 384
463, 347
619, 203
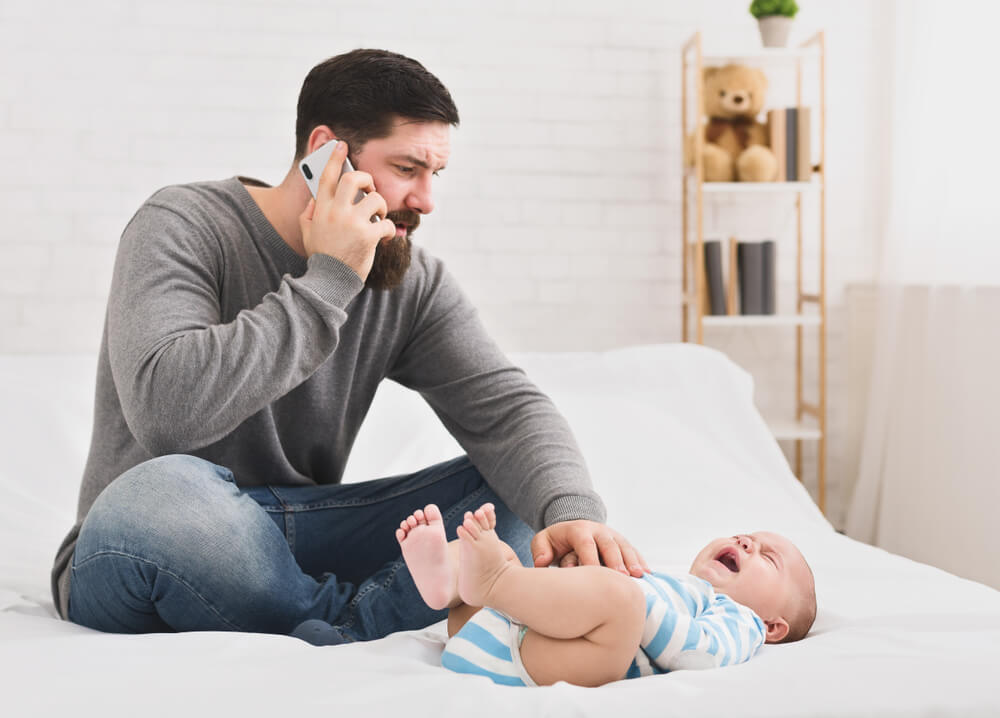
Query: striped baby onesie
688, 626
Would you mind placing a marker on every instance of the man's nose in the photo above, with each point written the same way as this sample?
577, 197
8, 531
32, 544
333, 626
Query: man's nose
421, 198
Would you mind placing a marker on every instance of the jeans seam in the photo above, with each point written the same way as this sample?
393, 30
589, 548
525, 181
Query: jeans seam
205, 601
287, 517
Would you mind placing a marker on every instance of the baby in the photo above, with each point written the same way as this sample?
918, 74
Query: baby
590, 625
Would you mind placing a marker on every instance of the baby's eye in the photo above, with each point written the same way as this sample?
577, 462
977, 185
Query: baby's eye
722, 93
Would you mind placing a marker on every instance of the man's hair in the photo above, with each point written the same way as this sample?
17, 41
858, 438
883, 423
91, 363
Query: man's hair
360, 93
803, 613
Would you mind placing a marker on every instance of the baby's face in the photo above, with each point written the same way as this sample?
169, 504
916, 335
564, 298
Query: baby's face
763, 571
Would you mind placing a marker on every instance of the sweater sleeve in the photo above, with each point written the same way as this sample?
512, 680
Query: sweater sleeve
692, 627
511, 430
186, 379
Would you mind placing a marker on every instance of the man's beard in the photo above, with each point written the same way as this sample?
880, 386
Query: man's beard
392, 258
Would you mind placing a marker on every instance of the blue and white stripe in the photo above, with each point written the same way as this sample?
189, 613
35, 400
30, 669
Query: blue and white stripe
689, 625
487, 646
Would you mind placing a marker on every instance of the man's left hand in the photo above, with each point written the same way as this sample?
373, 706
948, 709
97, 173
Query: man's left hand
594, 544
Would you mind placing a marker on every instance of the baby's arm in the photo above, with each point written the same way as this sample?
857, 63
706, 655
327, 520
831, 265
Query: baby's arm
688, 629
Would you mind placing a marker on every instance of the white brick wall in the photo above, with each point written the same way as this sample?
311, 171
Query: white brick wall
560, 210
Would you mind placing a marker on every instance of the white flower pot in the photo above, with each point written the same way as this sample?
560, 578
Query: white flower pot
774, 30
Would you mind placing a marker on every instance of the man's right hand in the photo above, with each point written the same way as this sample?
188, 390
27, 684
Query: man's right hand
333, 224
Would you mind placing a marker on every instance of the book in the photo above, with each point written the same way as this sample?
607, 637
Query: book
756, 266
802, 146
776, 137
713, 276
702, 299
750, 265
732, 305
769, 277
791, 146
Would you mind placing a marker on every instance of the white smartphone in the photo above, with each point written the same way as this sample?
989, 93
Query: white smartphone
313, 165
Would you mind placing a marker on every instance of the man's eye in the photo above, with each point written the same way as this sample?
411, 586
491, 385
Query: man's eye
405, 170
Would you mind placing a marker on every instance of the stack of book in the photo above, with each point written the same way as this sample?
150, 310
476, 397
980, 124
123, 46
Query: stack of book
789, 133
751, 278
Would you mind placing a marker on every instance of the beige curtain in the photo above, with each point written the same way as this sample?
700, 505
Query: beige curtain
928, 485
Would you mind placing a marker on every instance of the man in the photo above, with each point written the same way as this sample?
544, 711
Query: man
247, 330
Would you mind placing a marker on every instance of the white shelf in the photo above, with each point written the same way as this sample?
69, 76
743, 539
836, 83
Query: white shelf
758, 187
761, 320
760, 55
789, 429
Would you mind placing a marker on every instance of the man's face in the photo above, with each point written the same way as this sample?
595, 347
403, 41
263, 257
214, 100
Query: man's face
403, 166
763, 571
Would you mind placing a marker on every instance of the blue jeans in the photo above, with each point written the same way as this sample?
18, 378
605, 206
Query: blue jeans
174, 544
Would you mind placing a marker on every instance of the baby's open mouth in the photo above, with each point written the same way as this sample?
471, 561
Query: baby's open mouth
728, 558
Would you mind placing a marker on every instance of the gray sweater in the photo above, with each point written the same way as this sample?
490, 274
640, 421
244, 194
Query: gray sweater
220, 341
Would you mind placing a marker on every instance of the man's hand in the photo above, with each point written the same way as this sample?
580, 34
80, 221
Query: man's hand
593, 543
332, 224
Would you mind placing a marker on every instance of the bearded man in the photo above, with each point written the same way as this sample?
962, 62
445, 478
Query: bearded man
247, 330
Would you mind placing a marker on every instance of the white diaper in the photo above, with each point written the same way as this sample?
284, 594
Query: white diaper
489, 645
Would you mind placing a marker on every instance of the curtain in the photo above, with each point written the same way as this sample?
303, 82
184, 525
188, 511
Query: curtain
928, 483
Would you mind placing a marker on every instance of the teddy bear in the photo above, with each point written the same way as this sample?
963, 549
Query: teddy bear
735, 143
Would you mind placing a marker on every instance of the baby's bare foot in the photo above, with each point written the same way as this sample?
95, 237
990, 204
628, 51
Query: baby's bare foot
481, 556
425, 550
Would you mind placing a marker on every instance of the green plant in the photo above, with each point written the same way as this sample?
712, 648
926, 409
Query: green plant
764, 8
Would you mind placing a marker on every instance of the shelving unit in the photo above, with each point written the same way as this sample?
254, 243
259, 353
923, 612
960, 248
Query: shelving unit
809, 423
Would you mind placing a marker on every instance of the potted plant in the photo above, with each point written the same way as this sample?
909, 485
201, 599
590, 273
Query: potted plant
774, 18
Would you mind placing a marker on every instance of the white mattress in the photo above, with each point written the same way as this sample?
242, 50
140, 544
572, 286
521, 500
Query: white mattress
680, 455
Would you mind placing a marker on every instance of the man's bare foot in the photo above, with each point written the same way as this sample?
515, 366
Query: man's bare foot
482, 558
425, 550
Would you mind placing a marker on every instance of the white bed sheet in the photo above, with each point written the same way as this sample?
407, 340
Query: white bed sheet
680, 455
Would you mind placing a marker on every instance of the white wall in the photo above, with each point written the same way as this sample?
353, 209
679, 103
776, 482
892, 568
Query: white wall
560, 209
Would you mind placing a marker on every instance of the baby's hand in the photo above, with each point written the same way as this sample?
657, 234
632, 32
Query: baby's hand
569, 560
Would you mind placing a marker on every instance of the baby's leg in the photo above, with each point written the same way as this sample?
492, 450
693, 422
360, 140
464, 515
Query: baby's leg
585, 623
431, 560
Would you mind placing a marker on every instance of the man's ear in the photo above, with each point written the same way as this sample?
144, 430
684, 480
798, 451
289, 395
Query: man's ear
320, 135
777, 629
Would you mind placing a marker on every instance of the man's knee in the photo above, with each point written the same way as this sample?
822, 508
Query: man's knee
175, 528
155, 497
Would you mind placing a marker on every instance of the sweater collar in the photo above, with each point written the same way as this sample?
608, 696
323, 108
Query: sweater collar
284, 255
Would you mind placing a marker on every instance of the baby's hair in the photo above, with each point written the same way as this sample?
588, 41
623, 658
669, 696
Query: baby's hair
803, 613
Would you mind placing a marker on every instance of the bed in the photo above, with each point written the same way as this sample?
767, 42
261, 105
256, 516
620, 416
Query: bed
680, 455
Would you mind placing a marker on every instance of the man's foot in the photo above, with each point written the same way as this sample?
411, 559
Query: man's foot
320, 633
481, 556
425, 550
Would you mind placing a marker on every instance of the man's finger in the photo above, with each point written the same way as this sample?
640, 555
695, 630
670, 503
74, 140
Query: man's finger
334, 166
586, 550
569, 560
642, 562
307, 213
611, 553
631, 558
541, 549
